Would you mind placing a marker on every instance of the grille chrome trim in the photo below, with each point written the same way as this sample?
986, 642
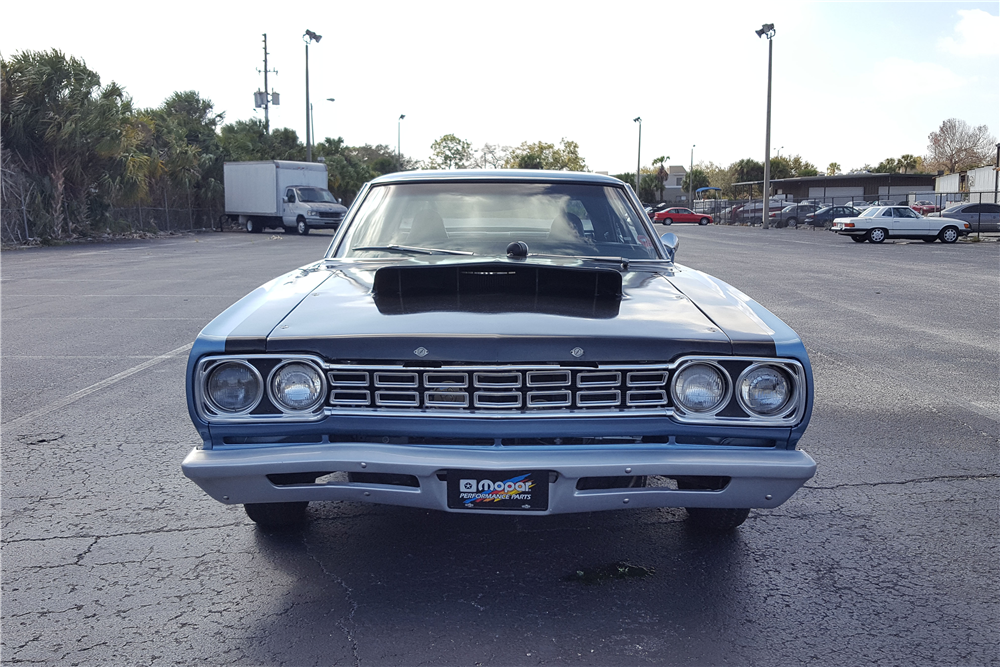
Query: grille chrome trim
399, 399
558, 378
593, 399
497, 380
400, 379
446, 399
505, 400
446, 380
550, 399
348, 378
599, 379
350, 397
646, 397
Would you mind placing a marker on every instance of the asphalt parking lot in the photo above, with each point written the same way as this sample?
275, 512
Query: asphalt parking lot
889, 556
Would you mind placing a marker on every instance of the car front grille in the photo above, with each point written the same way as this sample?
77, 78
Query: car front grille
331, 215
498, 389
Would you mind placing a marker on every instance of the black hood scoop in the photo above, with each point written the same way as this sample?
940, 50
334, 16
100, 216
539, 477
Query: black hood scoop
498, 288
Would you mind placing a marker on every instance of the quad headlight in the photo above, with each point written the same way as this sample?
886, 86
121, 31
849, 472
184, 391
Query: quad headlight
701, 388
234, 387
764, 390
296, 387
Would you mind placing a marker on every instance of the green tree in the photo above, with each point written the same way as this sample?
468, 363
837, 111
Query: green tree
887, 166
565, 157
66, 130
832, 169
699, 177
450, 152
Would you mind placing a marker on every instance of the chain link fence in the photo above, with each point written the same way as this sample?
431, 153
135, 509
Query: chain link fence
980, 209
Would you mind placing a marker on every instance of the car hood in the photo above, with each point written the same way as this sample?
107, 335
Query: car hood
411, 311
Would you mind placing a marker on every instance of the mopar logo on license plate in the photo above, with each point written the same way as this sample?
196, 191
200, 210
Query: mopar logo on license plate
498, 490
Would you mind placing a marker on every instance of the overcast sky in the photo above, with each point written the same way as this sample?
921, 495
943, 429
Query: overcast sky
854, 82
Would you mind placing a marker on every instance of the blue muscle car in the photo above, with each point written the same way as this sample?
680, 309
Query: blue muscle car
499, 341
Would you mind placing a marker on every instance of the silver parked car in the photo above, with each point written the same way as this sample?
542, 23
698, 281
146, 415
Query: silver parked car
983, 217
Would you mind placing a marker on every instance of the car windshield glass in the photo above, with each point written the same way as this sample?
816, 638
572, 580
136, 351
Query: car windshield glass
870, 212
562, 219
316, 195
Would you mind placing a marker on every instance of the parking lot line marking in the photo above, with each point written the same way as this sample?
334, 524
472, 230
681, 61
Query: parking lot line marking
87, 391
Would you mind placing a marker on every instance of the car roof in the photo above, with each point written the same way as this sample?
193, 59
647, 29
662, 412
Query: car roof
496, 175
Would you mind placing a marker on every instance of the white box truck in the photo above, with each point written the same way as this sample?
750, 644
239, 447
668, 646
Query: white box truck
280, 194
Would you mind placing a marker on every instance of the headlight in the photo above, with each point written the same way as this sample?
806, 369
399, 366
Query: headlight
700, 388
764, 390
296, 387
234, 387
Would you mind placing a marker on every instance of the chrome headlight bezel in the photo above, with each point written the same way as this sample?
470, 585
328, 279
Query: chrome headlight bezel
272, 391
265, 408
726, 395
210, 401
789, 403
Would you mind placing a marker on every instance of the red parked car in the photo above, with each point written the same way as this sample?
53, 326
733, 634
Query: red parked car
672, 215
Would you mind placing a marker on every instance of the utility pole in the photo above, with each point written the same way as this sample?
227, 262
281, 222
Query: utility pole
307, 37
638, 157
767, 29
264, 99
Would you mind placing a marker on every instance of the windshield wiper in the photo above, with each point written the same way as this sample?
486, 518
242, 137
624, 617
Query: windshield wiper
413, 249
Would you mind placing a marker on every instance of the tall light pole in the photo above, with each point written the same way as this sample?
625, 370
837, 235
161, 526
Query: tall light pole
767, 30
638, 157
691, 180
309, 36
399, 134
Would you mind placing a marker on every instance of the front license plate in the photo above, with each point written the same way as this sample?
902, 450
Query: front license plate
511, 490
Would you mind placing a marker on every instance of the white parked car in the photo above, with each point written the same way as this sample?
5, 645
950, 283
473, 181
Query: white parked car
878, 223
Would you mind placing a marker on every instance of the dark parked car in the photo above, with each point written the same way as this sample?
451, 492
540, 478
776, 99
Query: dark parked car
792, 214
509, 342
750, 213
825, 216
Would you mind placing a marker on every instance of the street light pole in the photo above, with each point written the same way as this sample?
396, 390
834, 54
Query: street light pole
768, 30
691, 180
307, 37
638, 157
399, 150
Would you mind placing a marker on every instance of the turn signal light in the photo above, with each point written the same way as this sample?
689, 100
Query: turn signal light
848, 224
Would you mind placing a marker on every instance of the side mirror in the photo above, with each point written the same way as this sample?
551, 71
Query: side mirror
671, 243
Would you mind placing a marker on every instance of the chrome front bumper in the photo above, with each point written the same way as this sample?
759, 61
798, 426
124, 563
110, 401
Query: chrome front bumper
759, 477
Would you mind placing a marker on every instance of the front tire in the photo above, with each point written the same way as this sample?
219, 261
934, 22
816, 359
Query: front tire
876, 235
703, 221
948, 235
858, 239
301, 227
715, 519
667, 221
276, 515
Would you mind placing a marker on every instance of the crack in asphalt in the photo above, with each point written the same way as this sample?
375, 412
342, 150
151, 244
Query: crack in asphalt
918, 480
343, 624
157, 531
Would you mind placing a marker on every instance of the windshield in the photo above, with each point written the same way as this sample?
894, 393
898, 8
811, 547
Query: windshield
483, 218
316, 195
